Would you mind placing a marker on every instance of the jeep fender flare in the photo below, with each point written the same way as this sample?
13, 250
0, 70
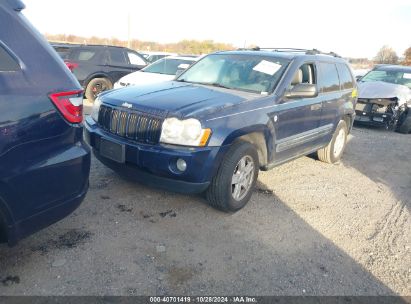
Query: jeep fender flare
261, 136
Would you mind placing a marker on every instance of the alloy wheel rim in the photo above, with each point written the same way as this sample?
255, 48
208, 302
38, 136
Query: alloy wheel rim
242, 178
339, 142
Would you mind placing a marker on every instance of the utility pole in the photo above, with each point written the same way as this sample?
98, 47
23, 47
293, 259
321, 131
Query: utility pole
129, 31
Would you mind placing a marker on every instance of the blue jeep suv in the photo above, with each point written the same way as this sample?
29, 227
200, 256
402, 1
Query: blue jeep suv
44, 162
228, 116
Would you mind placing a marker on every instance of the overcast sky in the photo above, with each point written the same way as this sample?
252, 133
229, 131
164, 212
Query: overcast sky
352, 28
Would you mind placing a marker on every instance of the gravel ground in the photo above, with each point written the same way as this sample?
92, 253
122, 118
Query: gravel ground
309, 229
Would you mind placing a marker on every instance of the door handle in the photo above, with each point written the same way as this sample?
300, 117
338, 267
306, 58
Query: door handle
316, 107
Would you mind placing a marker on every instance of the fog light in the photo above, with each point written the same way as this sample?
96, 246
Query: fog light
181, 165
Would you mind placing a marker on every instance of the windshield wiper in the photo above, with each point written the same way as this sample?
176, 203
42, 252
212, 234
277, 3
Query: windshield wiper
214, 84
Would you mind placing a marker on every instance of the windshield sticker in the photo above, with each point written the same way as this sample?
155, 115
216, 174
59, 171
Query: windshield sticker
183, 66
407, 76
267, 67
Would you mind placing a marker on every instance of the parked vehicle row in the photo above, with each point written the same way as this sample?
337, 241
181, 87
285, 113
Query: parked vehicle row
185, 124
154, 56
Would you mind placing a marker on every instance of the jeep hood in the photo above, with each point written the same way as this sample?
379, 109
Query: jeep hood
181, 99
380, 89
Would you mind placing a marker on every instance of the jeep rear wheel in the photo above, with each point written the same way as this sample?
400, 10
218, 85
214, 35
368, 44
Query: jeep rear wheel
232, 187
334, 150
96, 86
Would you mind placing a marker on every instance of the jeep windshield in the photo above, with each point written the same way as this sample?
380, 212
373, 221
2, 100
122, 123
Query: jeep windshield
244, 72
395, 77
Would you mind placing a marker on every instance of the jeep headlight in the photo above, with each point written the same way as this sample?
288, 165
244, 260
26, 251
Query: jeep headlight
184, 132
96, 109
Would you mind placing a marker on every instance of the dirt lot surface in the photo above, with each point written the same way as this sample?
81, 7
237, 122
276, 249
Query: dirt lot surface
309, 229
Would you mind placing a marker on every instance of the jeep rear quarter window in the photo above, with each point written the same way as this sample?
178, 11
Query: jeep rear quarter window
328, 80
346, 78
7, 62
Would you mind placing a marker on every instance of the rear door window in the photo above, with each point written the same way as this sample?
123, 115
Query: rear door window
328, 80
7, 62
346, 79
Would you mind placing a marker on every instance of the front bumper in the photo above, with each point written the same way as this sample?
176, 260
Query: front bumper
368, 115
155, 165
373, 120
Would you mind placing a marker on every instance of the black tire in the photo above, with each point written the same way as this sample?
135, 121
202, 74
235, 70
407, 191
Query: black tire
219, 194
96, 86
404, 123
327, 153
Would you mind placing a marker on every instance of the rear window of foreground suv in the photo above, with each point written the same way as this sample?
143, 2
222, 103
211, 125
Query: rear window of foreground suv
7, 62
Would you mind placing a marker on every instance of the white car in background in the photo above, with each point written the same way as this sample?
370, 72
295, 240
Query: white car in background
154, 56
164, 69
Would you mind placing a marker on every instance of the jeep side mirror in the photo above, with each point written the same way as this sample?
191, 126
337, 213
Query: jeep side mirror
302, 90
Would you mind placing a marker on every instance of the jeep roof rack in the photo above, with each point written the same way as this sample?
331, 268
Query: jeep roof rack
306, 51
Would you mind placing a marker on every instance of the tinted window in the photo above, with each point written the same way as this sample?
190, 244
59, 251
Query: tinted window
7, 62
329, 81
345, 76
117, 56
84, 55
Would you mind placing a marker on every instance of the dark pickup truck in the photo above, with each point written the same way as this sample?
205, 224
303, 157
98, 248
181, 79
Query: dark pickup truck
225, 118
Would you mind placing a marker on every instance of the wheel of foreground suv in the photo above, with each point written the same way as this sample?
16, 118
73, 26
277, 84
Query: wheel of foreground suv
232, 187
96, 86
404, 123
333, 151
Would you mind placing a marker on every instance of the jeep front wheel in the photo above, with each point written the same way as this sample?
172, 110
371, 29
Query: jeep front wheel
233, 185
334, 150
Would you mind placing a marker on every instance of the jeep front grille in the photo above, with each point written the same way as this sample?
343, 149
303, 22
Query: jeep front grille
130, 124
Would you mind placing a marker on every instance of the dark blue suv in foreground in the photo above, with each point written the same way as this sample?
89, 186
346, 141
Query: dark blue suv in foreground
225, 118
44, 162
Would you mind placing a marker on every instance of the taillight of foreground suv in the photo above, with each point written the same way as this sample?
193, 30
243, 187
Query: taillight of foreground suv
70, 105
